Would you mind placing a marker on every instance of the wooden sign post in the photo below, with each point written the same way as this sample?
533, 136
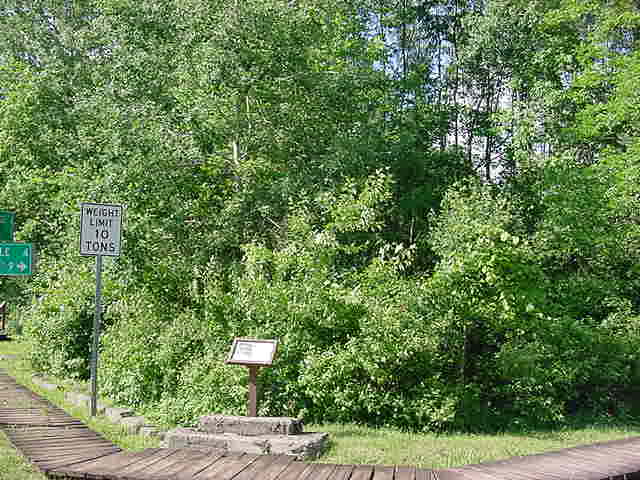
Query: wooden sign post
252, 353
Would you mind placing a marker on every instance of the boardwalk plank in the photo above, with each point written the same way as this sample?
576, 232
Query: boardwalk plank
601, 467
80, 469
267, 470
405, 473
40, 411
32, 432
141, 463
320, 471
281, 463
45, 457
239, 468
382, 472
362, 472
422, 474
296, 471
54, 463
482, 473
456, 474
115, 464
342, 472
197, 459
180, 458
60, 439
36, 451
213, 466
190, 471
135, 470
605, 465
63, 444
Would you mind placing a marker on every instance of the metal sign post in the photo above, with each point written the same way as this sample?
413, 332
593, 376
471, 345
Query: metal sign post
100, 233
252, 353
96, 337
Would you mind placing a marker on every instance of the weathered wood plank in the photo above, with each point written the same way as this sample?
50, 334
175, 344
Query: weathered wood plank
243, 468
59, 440
134, 470
405, 473
38, 451
180, 458
80, 469
423, 474
266, 468
342, 472
320, 471
114, 464
46, 457
362, 472
383, 472
50, 464
295, 471
42, 432
190, 471
195, 457
155, 455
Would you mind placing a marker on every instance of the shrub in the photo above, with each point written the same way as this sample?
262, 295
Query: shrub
59, 323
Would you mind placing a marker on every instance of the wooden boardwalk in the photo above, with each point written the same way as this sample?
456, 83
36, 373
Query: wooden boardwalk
64, 448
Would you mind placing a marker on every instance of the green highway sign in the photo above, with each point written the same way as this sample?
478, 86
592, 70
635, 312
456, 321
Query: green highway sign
16, 259
7, 222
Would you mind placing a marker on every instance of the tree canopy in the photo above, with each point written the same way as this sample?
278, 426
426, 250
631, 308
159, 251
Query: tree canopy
433, 205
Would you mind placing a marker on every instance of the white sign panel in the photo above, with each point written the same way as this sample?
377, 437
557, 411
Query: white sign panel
100, 228
245, 351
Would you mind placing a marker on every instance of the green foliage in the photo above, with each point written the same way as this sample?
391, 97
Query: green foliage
58, 324
532, 304
312, 173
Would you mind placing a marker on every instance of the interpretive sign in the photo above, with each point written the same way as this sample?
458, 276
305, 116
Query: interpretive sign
7, 226
246, 351
100, 228
16, 259
252, 353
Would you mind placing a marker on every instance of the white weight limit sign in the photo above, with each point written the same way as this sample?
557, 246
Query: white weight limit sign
100, 229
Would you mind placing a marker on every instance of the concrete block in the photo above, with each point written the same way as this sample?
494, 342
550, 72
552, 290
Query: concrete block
250, 426
132, 424
116, 413
41, 382
78, 399
149, 431
83, 400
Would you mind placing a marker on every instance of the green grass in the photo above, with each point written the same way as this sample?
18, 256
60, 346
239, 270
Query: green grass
350, 444
14, 466
362, 445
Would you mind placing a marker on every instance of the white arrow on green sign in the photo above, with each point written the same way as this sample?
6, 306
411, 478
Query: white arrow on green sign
16, 259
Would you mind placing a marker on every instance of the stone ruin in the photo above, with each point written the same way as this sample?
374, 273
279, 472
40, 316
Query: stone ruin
254, 435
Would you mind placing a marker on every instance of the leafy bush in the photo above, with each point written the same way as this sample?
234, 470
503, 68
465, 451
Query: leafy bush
59, 323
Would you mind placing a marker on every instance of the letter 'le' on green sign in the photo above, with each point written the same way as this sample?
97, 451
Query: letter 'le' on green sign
100, 228
16, 259
7, 222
